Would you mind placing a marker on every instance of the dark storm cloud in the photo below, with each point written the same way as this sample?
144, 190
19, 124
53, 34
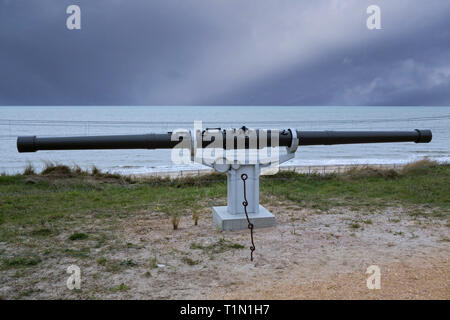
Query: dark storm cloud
217, 52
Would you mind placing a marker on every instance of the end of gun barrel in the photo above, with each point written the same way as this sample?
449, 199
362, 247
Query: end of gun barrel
425, 136
26, 144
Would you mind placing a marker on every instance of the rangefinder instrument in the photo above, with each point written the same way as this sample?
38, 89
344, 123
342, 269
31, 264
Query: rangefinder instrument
234, 152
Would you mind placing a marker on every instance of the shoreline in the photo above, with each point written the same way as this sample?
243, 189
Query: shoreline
311, 169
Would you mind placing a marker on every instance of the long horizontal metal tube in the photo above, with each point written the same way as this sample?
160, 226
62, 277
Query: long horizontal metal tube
164, 140
143, 141
309, 138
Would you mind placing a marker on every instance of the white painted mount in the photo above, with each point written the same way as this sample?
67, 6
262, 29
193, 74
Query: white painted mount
232, 217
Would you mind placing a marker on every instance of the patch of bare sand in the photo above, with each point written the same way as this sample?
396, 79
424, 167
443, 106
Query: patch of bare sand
404, 281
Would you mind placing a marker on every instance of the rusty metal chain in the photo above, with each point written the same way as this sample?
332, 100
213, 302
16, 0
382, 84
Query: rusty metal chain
250, 225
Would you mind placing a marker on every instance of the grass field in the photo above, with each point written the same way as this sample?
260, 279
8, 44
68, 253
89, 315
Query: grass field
67, 213
60, 191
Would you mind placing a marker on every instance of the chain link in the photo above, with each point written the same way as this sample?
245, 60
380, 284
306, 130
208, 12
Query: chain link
250, 225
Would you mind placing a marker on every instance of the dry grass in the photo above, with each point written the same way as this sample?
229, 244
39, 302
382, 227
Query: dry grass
29, 170
54, 170
419, 166
413, 168
175, 221
195, 217
369, 172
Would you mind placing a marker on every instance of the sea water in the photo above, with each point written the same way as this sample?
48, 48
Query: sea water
88, 120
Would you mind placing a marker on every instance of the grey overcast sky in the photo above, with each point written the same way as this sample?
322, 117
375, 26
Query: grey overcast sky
225, 52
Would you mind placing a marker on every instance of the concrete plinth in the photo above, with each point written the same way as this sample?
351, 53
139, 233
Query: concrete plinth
226, 221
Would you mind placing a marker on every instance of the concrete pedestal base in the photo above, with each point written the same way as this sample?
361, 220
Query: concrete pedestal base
226, 221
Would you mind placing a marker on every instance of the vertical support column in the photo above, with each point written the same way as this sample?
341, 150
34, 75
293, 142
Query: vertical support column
232, 217
235, 189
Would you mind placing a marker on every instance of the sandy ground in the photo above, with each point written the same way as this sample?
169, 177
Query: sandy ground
308, 255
